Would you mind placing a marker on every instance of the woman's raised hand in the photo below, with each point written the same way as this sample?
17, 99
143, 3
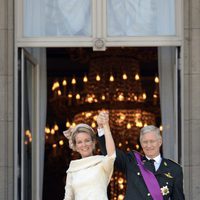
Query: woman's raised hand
103, 119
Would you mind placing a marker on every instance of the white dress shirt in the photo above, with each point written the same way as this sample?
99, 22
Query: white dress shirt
157, 162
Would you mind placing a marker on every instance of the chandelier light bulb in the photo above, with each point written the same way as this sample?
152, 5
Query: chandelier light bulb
47, 130
128, 126
103, 97
93, 125
61, 142
64, 83
73, 81
120, 197
59, 93
137, 77
120, 180
95, 118
144, 96
155, 96
111, 79
73, 124
67, 124
70, 95
52, 131
124, 76
156, 79
88, 114
121, 97
56, 128
90, 99
122, 117
137, 146
139, 124
85, 79
78, 96
55, 85
120, 144
98, 78
121, 187
145, 124
135, 98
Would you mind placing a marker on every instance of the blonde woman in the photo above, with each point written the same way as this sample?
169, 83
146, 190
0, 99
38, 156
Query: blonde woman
88, 177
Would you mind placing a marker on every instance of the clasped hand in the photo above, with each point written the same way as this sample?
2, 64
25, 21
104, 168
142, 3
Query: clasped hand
103, 119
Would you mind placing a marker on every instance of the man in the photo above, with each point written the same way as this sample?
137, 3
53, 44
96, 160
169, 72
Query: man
160, 180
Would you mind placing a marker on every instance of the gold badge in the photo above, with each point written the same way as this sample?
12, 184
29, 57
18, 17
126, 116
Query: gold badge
168, 175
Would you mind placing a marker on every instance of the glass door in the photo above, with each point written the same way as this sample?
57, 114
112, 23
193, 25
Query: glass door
28, 105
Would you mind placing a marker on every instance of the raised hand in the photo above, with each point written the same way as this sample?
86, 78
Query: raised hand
103, 119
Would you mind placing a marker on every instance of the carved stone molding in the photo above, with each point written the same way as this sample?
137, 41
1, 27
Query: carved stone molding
99, 45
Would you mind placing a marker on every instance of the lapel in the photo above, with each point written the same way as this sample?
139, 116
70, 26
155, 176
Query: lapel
148, 165
163, 168
140, 185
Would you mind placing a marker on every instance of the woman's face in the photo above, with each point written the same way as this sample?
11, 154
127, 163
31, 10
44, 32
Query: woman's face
84, 144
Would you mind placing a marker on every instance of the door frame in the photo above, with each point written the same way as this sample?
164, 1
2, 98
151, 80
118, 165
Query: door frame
19, 130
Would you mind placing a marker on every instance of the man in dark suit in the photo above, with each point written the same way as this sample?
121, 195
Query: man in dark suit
149, 177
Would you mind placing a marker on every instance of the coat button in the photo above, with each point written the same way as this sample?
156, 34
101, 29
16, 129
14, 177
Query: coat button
138, 173
148, 194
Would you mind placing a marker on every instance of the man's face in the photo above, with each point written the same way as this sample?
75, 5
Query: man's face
151, 143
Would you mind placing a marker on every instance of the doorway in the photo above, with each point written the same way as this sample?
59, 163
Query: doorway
73, 84
80, 83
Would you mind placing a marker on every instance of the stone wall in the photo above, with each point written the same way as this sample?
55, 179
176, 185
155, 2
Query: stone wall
6, 99
192, 99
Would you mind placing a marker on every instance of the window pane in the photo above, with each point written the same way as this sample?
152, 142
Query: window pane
141, 17
57, 18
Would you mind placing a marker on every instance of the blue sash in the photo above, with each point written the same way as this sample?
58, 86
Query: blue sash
149, 179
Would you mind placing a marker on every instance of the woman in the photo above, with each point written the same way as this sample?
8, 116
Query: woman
88, 177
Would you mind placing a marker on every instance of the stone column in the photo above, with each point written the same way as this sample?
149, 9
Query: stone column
192, 99
6, 99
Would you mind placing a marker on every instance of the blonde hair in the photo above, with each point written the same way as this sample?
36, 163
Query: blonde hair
71, 133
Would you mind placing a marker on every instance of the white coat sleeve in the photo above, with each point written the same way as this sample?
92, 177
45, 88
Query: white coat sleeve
69, 194
108, 165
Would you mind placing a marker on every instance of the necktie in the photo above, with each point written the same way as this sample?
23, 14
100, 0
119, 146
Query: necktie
151, 165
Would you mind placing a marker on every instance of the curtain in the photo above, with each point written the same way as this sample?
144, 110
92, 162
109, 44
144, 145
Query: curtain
168, 96
57, 18
141, 17
124, 18
40, 55
37, 146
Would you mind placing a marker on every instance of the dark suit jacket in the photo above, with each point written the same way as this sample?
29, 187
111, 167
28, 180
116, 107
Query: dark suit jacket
169, 174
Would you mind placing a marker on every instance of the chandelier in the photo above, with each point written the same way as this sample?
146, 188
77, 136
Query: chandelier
111, 82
